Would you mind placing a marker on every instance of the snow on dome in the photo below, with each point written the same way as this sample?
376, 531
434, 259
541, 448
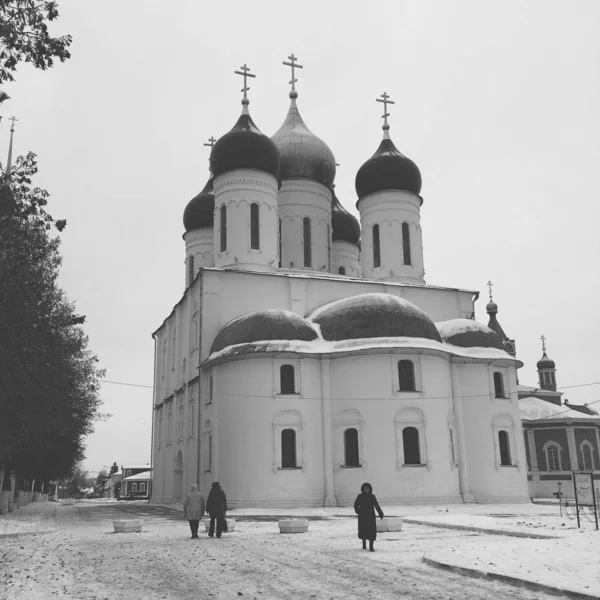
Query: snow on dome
467, 333
261, 326
373, 316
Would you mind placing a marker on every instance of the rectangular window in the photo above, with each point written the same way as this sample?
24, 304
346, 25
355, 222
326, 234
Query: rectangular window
287, 379
504, 443
134, 487
411, 445
307, 241
406, 243
210, 452
209, 398
223, 228
254, 233
288, 449
191, 418
142, 487
376, 247
351, 457
406, 376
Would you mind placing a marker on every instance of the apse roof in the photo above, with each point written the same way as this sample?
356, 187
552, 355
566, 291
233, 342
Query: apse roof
468, 333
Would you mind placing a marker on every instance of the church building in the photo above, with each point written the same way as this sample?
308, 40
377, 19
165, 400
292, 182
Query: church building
307, 354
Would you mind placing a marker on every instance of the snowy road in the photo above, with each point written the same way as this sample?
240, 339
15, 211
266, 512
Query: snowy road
79, 557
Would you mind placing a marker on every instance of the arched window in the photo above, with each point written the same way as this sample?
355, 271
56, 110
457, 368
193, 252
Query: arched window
410, 442
288, 449
254, 236
504, 445
211, 388
587, 456
552, 457
499, 385
306, 227
376, 247
280, 263
287, 379
351, 448
341, 271
406, 243
223, 228
406, 376
190, 270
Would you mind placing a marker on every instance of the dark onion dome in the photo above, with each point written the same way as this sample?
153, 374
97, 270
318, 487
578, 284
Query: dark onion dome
344, 226
467, 333
545, 363
244, 147
373, 316
200, 210
261, 326
302, 154
388, 169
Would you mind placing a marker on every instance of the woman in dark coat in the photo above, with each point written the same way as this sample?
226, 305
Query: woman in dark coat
216, 507
365, 506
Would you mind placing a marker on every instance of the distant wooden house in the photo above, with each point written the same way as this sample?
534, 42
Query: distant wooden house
136, 483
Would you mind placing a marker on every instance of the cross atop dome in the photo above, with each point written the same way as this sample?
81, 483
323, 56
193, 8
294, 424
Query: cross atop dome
490, 285
294, 65
211, 142
385, 99
543, 338
245, 73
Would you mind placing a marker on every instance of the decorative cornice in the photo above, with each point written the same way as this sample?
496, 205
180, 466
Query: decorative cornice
374, 200
321, 191
209, 237
245, 183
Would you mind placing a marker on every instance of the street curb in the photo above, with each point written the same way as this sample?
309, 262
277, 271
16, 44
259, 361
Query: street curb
521, 534
531, 585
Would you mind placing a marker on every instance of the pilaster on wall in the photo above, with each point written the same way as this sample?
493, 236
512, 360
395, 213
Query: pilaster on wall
572, 448
236, 191
389, 210
299, 199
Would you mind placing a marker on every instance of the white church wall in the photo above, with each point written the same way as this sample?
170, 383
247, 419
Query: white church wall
484, 416
237, 190
379, 403
299, 199
251, 416
199, 244
345, 255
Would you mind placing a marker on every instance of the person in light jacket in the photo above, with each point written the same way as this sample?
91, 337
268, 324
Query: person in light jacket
216, 507
365, 506
193, 509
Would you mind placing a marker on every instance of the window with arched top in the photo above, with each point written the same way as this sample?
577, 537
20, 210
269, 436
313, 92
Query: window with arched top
553, 457
376, 247
307, 241
406, 244
223, 228
411, 446
288, 449
287, 379
341, 271
351, 454
190, 269
279, 232
499, 391
587, 455
254, 233
504, 447
406, 376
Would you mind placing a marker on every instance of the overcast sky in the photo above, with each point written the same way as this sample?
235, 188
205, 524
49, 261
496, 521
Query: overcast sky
496, 102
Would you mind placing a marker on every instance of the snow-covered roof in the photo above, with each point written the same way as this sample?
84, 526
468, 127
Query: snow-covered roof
147, 467
468, 333
534, 409
139, 476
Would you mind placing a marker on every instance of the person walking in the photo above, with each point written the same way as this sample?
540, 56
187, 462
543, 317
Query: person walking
193, 509
365, 506
216, 507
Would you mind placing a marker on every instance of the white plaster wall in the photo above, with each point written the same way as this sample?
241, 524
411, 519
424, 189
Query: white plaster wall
378, 400
389, 209
246, 405
297, 199
237, 190
488, 481
345, 254
199, 243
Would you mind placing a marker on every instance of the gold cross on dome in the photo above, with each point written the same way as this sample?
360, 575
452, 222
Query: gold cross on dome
294, 65
386, 100
245, 73
490, 284
543, 338
211, 141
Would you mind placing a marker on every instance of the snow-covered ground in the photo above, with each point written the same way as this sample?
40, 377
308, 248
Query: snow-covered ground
79, 556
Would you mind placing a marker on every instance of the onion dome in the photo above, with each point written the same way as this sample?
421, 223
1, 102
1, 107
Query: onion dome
344, 226
545, 363
265, 325
200, 210
244, 147
388, 169
467, 333
302, 154
373, 316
